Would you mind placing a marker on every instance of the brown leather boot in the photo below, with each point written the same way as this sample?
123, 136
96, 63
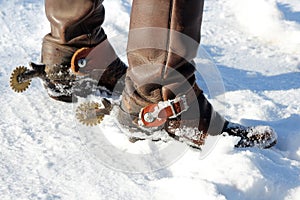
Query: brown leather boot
160, 89
163, 40
76, 24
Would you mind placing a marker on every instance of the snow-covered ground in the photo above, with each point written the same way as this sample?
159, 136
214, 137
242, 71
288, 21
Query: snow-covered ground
256, 47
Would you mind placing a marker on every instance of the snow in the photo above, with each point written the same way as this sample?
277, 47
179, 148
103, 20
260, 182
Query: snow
46, 154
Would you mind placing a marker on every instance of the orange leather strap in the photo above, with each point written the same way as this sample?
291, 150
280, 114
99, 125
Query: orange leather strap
155, 115
80, 54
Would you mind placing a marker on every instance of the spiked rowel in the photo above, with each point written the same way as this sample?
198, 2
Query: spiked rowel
21, 76
92, 113
16, 82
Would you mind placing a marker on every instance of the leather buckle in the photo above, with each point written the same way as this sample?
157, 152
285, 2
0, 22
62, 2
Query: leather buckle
155, 115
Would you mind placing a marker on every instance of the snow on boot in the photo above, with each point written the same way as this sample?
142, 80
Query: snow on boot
255, 136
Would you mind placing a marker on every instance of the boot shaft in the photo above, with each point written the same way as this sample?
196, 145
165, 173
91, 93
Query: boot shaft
164, 35
163, 40
76, 24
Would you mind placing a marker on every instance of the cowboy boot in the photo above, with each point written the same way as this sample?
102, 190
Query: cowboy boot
76, 24
160, 89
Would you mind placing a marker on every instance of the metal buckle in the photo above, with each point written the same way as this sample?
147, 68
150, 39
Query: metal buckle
183, 105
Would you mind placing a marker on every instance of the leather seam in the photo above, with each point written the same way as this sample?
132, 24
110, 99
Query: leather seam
167, 45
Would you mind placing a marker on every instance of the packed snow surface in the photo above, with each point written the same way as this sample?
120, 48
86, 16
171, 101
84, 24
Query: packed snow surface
46, 154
